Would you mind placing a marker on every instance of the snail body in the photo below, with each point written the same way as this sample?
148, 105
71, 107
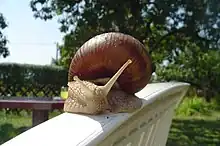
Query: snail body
86, 97
93, 90
79, 102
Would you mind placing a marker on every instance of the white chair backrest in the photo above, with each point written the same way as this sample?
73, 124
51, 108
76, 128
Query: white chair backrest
147, 126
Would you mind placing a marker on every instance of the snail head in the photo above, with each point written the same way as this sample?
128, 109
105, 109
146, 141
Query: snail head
101, 91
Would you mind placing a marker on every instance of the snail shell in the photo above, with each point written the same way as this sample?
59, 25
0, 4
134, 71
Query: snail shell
101, 56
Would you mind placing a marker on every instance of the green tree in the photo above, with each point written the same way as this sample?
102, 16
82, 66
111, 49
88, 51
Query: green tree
179, 32
3, 41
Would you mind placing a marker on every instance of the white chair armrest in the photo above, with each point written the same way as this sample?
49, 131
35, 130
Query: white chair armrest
148, 125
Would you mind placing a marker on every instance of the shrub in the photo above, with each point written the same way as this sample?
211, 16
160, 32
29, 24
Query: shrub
192, 106
31, 80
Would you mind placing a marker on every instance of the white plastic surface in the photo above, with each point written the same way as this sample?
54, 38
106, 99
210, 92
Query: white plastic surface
79, 130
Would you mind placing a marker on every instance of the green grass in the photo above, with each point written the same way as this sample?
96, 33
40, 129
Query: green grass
198, 132
196, 123
197, 106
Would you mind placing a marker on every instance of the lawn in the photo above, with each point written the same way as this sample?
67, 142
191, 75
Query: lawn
195, 123
191, 131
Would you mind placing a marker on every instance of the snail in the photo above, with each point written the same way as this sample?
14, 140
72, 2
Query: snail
104, 74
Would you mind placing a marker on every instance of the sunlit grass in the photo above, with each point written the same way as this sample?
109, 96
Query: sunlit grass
196, 106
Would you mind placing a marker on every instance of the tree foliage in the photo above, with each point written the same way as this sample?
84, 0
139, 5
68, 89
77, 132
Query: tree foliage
184, 33
3, 41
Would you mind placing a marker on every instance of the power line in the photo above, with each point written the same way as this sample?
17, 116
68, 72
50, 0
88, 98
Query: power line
32, 43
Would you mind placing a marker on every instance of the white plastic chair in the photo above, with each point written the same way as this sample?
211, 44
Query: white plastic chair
148, 126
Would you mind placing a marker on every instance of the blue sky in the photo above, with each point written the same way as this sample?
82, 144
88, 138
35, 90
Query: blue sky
31, 40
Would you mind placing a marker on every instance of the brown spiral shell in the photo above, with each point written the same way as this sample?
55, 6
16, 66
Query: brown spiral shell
104, 54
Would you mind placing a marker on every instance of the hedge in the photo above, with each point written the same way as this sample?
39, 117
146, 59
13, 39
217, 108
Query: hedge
31, 80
